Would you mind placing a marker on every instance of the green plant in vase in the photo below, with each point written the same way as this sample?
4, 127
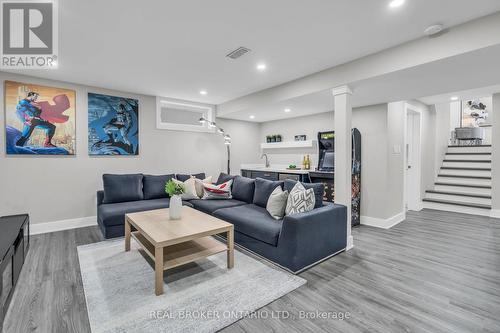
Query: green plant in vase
175, 189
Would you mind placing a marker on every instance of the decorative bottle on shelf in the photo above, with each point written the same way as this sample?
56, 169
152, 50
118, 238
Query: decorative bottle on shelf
304, 162
308, 163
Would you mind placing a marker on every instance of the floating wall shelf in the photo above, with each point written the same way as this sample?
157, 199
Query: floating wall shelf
288, 144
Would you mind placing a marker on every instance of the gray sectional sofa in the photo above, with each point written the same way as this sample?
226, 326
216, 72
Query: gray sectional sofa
294, 242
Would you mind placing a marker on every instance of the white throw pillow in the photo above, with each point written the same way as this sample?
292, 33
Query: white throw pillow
190, 187
300, 200
199, 185
277, 202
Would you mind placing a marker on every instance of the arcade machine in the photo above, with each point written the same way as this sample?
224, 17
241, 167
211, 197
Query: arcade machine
325, 173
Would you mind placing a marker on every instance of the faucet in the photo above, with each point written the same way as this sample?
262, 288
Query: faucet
267, 159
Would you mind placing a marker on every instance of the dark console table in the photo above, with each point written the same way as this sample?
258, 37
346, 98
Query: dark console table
14, 243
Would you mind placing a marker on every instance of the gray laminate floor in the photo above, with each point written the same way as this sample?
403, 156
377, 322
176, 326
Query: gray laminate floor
435, 272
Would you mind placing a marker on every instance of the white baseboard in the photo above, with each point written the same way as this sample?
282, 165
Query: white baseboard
495, 213
350, 243
42, 228
383, 223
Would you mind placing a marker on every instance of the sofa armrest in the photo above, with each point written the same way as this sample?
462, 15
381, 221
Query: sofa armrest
315, 234
100, 197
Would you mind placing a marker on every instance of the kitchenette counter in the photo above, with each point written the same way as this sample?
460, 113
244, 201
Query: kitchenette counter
273, 168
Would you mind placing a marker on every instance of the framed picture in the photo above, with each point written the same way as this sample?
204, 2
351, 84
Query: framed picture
39, 120
302, 137
113, 125
475, 112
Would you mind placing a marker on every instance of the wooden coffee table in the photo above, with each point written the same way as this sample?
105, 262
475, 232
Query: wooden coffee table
178, 242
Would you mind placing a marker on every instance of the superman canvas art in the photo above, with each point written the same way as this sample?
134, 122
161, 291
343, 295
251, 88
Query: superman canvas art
39, 120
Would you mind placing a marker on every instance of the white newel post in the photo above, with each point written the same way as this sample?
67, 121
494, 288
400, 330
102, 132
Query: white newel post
343, 152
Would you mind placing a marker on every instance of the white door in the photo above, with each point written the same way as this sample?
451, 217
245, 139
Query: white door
412, 157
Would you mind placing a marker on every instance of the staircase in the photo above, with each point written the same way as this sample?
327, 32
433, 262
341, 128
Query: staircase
464, 182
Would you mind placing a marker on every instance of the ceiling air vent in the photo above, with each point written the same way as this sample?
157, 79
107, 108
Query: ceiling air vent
238, 52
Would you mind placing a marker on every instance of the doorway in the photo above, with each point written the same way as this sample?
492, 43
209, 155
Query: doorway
413, 159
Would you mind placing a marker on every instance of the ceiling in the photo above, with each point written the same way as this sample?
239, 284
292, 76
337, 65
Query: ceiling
462, 95
459, 75
176, 48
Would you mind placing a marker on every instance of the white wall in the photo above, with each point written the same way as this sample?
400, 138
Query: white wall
428, 145
495, 158
57, 188
372, 123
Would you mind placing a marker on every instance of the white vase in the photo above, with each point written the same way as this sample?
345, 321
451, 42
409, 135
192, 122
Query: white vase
175, 209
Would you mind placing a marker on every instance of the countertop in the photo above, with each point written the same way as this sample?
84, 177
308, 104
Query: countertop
273, 168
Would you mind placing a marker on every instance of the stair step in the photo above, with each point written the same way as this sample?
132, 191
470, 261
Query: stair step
463, 185
456, 209
468, 164
464, 176
470, 153
467, 161
455, 203
469, 146
474, 195
468, 169
469, 149
465, 171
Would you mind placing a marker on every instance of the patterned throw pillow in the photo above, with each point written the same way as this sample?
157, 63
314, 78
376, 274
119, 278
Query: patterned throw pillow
300, 200
190, 187
222, 191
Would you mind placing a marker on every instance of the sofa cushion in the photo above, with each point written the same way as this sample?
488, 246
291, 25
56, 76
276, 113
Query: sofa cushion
263, 189
121, 188
154, 186
243, 189
210, 206
318, 188
114, 214
253, 221
184, 177
224, 177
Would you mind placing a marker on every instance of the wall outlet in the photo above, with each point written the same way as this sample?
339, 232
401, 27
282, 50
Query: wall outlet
396, 149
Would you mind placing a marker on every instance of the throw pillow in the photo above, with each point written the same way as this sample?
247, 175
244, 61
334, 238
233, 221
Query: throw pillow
184, 177
199, 185
276, 203
190, 187
222, 191
300, 200
318, 188
224, 177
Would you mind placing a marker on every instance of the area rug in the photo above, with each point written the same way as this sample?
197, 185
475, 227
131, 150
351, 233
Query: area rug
199, 297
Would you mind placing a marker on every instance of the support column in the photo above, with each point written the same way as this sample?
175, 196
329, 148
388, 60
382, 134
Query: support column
495, 157
343, 152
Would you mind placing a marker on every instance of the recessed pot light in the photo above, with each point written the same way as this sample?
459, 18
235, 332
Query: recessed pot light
252, 117
287, 110
203, 92
454, 98
396, 3
261, 67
